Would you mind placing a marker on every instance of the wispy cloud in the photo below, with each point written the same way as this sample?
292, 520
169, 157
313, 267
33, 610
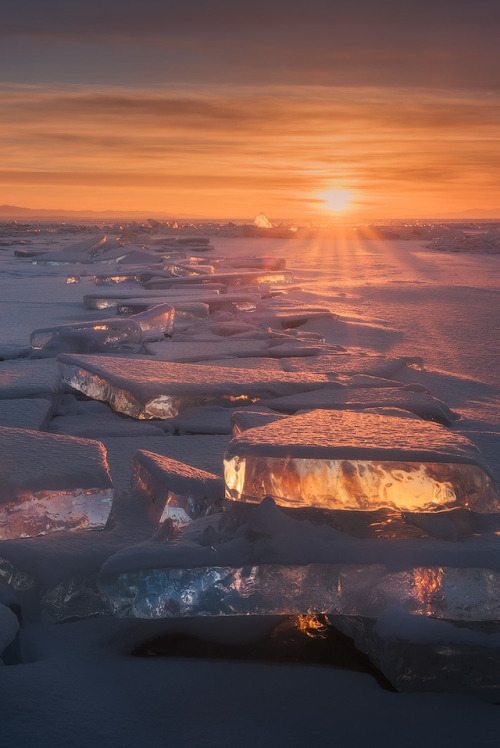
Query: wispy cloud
290, 143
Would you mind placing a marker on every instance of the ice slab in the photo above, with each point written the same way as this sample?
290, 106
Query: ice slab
51, 483
262, 562
27, 379
173, 490
183, 310
29, 413
215, 300
358, 461
351, 363
271, 589
157, 389
231, 278
188, 352
115, 334
156, 322
427, 407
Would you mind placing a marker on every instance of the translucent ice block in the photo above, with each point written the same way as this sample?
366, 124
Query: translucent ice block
159, 389
294, 589
103, 335
48, 511
155, 322
174, 490
358, 461
51, 483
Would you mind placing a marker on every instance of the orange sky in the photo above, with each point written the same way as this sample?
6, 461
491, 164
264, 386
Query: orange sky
233, 148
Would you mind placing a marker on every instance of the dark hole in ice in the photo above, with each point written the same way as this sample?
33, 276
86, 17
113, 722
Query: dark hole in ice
297, 640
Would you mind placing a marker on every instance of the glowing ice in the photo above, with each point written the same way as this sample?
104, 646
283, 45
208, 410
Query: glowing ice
174, 490
41, 490
158, 389
358, 461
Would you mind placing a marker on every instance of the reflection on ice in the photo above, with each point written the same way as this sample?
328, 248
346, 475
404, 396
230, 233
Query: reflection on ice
360, 485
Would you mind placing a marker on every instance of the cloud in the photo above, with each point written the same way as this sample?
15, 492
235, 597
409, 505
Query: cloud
360, 42
293, 143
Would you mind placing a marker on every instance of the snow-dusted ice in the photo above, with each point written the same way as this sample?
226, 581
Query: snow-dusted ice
174, 491
158, 389
358, 461
51, 483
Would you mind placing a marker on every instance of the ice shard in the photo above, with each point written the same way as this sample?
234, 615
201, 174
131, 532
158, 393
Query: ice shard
173, 490
158, 389
51, 483
357, 461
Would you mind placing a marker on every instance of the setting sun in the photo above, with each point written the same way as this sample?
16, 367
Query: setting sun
335, 201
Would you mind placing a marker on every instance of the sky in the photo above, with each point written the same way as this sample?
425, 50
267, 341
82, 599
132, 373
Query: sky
221, 108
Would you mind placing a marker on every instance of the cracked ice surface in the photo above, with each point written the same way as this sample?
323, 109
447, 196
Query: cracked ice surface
157, 389
358, 461
41, 489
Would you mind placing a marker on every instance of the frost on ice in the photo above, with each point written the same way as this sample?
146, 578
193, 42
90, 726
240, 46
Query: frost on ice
40, 489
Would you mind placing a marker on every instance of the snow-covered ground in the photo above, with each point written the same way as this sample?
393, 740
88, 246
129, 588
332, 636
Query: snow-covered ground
75, 683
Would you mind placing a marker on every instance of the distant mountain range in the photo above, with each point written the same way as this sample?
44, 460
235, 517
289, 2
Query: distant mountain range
15, 211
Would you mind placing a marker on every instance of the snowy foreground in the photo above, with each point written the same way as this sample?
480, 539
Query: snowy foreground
154, 394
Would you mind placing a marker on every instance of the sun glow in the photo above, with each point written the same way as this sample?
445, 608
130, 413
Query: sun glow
336, 201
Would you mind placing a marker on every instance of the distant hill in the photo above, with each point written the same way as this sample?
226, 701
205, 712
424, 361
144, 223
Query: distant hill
15, 211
